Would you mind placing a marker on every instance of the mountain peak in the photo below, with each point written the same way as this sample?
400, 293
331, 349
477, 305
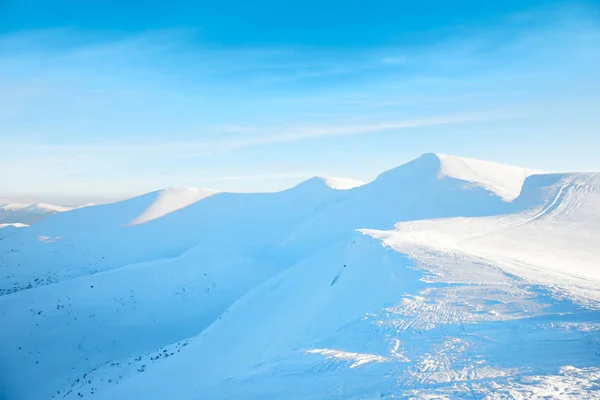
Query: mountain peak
171, 199
50, 207
330, 182
503, 180
28, 213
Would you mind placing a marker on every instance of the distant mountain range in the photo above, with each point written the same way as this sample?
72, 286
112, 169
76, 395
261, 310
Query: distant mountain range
27, 214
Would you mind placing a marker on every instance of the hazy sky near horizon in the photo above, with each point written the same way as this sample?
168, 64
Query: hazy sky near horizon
102, 100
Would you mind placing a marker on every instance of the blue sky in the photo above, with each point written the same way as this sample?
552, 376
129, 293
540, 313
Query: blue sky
102, 100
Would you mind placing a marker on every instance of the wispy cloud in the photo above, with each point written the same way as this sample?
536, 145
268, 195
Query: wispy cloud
305, 133
239, 137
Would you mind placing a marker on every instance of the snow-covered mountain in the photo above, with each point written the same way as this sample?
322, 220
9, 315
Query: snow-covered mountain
27, 214
445, 277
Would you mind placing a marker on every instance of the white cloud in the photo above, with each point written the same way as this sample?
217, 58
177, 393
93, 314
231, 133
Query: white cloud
245, 136
305, 133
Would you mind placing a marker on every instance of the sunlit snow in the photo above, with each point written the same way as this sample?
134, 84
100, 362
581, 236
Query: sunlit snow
445, 277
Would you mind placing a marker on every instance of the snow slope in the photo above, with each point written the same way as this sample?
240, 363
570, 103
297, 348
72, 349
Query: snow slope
342, 183
169, 200
85, 322
92, 239
561, 249
276, 295
504, 180
193, 288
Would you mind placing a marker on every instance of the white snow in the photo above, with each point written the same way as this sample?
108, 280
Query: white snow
342, 183
357, 359
16, 225
41, 206
169, 200
560, 249
445, 277
504, 180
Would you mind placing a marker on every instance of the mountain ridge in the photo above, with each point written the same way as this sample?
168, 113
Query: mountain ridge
27, 214
439, 252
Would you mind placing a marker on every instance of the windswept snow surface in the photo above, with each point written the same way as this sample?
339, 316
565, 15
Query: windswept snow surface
561, 249
342, 183
504, 180
443, 278
169, 200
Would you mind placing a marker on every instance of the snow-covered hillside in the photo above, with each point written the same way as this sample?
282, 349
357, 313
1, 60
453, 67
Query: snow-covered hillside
169, 200
27, 214
445, 277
